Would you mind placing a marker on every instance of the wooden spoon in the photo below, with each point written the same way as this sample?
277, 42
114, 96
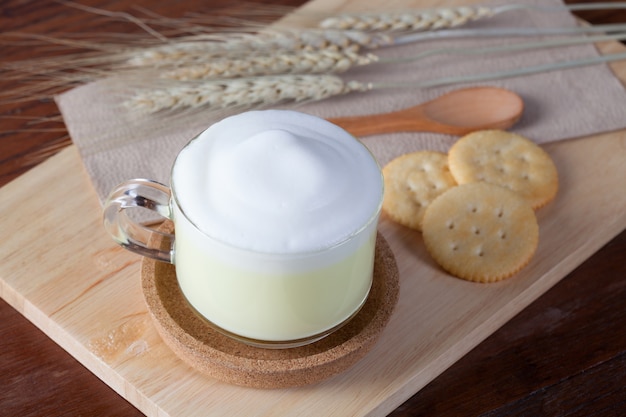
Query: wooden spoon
457, 113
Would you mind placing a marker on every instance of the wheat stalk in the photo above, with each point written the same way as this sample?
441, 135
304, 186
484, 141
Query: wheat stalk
238, 45
244, 93
443, 17
202, 48
338, 61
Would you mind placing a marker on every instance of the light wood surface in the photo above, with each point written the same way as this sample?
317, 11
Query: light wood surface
64, 274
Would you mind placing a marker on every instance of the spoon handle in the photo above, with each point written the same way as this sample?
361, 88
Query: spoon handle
371, 124
407, 120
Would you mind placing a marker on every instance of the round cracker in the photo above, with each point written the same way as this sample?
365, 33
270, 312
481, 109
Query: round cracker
412, 182
481, 232
505, 159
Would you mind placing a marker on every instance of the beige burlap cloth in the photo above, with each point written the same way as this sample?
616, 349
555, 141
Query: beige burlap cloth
115, 145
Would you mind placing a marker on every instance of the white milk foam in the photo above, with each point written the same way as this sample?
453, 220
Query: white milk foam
277, 181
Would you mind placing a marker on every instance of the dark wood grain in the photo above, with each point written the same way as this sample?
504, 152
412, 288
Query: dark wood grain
564, 355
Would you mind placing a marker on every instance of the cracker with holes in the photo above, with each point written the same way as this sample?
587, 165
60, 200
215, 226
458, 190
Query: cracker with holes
481, 232
412, 181
506, 159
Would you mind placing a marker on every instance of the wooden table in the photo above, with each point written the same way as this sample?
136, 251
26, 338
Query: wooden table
565, 354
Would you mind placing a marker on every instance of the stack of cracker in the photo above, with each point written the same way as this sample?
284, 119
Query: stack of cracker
476, 205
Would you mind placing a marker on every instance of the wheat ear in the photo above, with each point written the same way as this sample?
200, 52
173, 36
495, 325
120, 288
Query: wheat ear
202, 48
300, 62
241, 92
408, 20
443, 17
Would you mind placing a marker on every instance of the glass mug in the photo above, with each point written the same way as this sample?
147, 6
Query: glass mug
275, 218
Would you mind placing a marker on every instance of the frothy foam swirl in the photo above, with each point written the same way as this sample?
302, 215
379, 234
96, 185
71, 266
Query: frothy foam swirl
277, 181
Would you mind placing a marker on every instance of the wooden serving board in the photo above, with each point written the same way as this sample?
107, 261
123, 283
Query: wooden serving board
60, 270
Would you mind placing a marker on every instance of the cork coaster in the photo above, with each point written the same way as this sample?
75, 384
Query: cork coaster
198, 344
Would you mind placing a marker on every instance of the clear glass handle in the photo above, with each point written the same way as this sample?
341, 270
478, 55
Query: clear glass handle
131, 234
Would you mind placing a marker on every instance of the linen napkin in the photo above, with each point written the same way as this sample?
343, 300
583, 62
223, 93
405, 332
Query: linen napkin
115, 145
